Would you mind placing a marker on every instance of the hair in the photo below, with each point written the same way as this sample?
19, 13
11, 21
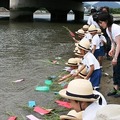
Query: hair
106, 17
105, 7
93, 10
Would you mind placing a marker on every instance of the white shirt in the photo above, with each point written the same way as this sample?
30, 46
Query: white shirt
92, 22
104, 102
115, 31
89, 59
96, 41
102, 40
90, 111
88, 36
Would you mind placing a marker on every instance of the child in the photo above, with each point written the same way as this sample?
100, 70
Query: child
81, 34
87, 34
73, 63
80, 94
72, 115
103, 41
95, 43
89, 60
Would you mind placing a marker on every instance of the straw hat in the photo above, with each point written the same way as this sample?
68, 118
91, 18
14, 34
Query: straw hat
84, 44
92, 29
99, 31
76, 49
79, 60
72, 62
85, 27
80, 90
72, 115
108, 112
80, 31
83, 73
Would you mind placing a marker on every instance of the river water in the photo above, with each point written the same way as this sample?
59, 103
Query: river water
26, 52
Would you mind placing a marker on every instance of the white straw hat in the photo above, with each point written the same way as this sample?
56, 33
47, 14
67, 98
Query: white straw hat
108, 112
99, 32
80, 31
92, 29
72, 62
85, 27
79, 60
83, 73
72, 115
80, 90
84, 44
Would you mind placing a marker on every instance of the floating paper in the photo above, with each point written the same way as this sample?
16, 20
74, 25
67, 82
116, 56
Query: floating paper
31, 104
32, 117
12, 118
63, 103
16, 81
48, 82
41, 110
42, 88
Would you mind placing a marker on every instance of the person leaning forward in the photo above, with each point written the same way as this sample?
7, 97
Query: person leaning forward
82, 98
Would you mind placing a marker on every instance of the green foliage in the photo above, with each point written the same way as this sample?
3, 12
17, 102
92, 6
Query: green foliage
115, 10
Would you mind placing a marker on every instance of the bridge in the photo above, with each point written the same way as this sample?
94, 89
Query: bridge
22, 10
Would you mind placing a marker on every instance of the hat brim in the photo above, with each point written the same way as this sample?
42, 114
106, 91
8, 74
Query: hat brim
63, 94
80, 47
79, 33
83, 76
100, 33
71, 64
92, 31
83, 48
62, 117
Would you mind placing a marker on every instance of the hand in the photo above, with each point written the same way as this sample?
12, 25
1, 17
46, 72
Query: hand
111, 52
86, 78
114, 61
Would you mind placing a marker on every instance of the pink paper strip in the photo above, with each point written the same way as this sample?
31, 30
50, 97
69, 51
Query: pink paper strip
41, 110
63, 103
32, 117
12, 118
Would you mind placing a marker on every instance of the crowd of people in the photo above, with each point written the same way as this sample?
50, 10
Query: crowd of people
99, 35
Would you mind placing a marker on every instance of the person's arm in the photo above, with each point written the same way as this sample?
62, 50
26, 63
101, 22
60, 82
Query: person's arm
112, 50
90, 72
64, 77
78, 70
93, 49
117, 50
76, 41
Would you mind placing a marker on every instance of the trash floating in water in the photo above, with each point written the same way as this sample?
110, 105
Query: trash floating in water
53, 76
58, 58
16, 81
56, 93
48, 82
106, 74
32, 117
42, 88
41, 111
12, 118
31, 104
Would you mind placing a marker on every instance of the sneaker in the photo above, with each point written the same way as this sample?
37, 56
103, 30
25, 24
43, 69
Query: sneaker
117, 94
112, 92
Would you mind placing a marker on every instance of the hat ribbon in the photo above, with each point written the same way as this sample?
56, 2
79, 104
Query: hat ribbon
73, 63
82, 96
82, 47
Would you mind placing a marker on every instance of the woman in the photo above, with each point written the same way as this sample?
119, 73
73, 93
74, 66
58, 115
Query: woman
105, 20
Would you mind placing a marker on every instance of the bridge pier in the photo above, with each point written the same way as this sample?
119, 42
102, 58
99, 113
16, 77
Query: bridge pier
79, 16
22, 10
58, 15
21, 15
